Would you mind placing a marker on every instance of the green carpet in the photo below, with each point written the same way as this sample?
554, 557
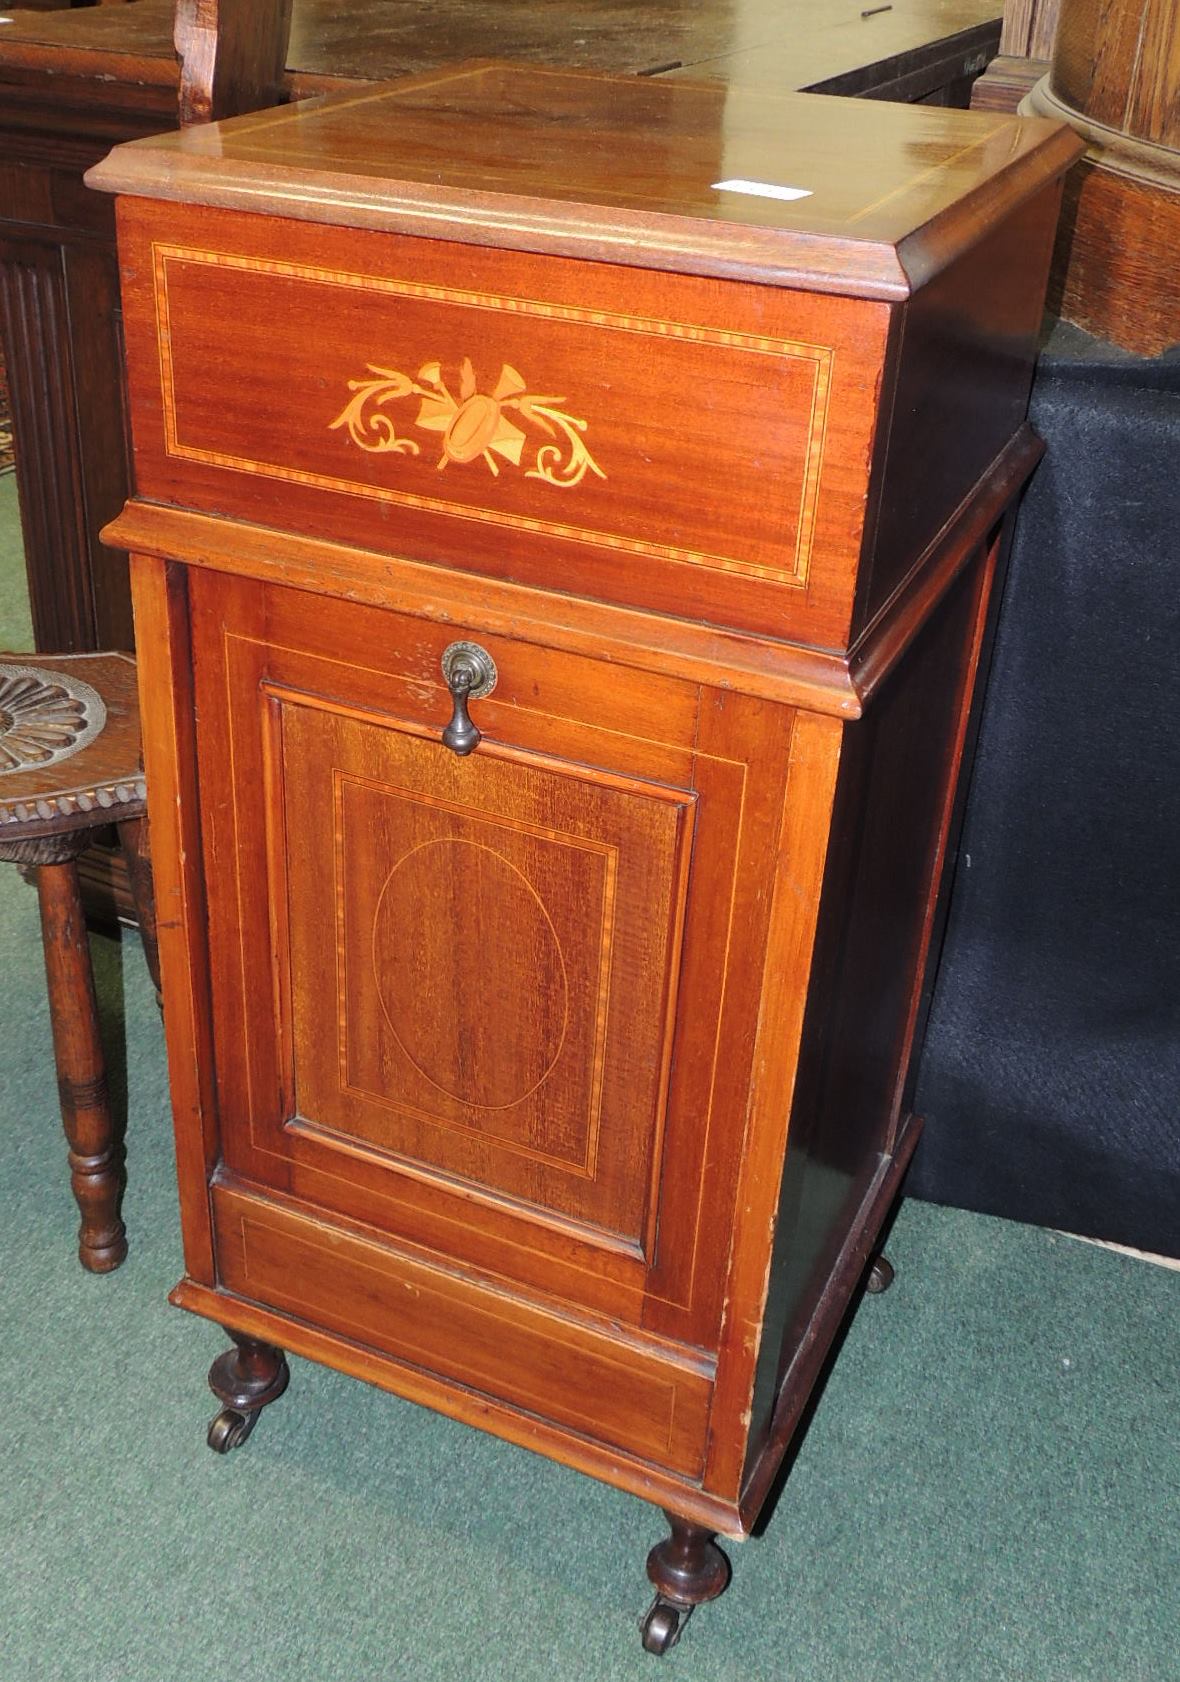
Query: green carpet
988, 1490
16, 628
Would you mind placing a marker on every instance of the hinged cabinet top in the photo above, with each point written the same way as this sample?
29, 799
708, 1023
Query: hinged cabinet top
858, 197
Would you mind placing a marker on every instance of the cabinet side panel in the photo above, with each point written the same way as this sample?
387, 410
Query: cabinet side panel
889, 832
970, 339
165, 669
790, 873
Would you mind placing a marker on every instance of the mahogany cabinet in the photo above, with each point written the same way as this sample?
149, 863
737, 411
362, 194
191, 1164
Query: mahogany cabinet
567, 514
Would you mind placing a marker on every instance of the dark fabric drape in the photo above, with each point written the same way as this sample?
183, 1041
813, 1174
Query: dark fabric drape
1050, 1073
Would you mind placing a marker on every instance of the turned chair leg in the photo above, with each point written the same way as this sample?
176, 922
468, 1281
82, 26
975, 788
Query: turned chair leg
95, 1154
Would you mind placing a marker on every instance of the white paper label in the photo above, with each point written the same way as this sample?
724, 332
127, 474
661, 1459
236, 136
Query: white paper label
762, 189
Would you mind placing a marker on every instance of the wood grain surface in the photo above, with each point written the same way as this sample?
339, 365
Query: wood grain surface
376, 40
560, 1084
1119, 65
1115, 77
540, 169
232, 56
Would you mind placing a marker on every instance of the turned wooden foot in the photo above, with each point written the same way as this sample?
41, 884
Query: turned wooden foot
880, 1276
687, 1569
245, 1380
95, 1154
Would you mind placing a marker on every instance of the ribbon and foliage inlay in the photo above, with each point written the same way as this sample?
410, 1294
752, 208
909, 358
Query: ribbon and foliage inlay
493, 425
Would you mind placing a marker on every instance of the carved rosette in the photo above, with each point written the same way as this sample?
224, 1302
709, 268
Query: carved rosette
45, 717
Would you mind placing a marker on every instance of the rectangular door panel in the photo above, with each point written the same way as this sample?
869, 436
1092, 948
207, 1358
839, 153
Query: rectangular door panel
489, 1007
504, 933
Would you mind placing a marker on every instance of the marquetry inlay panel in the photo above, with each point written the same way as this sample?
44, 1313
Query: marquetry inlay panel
506, 423
617, 409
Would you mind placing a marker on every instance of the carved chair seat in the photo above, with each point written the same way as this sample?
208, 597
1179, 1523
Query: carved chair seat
70, 763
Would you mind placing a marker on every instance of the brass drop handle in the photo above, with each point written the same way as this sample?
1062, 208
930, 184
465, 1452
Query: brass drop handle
470, 673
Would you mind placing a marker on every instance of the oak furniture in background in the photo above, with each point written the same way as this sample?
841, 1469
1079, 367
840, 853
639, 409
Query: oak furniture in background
232, 56
1029, 28
567, 514
1115, 77
1026, 45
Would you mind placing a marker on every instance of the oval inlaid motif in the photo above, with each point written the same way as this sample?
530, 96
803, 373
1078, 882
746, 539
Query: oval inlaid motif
469, 972
473, 424
45, 717
473, 429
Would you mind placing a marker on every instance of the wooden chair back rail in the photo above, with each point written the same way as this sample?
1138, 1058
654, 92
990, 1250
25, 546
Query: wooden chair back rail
232, 54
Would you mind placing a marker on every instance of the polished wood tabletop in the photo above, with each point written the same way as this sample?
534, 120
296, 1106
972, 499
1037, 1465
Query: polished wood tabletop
800, 45
825, 47
698, 176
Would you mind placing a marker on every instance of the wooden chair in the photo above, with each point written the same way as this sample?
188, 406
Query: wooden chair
69, 762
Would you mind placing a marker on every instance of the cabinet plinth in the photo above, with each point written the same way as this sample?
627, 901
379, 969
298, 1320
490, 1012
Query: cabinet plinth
560, 597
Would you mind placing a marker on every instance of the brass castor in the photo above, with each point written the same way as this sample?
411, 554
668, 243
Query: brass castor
245, 1379
685, 1570
662, 1625
880, 1277
230, 1429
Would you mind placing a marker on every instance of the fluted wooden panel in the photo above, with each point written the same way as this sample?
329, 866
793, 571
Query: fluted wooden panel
67, 412
1029, 27
60, 383
37, 353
